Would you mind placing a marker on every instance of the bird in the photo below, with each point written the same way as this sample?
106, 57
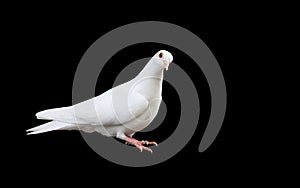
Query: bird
120, 111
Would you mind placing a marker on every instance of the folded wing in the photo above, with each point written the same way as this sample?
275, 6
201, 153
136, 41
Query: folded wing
110, 108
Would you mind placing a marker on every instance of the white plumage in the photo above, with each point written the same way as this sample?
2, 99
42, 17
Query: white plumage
120, 111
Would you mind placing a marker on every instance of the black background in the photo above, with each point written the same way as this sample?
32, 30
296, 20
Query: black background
49, 47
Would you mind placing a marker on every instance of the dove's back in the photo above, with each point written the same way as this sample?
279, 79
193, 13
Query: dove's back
96, 111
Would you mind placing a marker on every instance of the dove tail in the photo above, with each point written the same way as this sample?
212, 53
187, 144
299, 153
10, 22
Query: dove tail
50, 126
54, 114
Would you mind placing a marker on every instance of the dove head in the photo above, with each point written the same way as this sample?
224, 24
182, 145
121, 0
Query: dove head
164, 58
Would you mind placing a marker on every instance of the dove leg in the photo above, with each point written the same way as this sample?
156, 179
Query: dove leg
137, 144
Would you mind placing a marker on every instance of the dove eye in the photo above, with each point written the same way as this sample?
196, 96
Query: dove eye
160, 55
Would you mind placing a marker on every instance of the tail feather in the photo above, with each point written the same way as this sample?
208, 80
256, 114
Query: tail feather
43, 126
50, 126
64, 114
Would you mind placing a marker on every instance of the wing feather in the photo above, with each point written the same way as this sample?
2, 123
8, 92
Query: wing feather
113, 107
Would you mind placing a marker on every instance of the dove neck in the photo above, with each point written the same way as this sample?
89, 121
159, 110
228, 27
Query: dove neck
152, 69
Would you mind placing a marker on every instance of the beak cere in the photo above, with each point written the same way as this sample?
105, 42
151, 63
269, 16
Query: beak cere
166, 64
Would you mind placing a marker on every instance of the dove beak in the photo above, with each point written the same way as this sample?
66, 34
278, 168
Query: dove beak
166, 64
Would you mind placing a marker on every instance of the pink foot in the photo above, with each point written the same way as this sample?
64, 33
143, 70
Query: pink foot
139, 144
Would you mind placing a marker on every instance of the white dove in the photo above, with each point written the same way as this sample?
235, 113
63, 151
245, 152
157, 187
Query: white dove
119, 112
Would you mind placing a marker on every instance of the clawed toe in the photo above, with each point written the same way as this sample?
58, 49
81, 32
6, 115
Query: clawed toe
141, 147
148, 143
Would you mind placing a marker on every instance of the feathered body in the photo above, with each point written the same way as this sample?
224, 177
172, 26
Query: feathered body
120, 111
